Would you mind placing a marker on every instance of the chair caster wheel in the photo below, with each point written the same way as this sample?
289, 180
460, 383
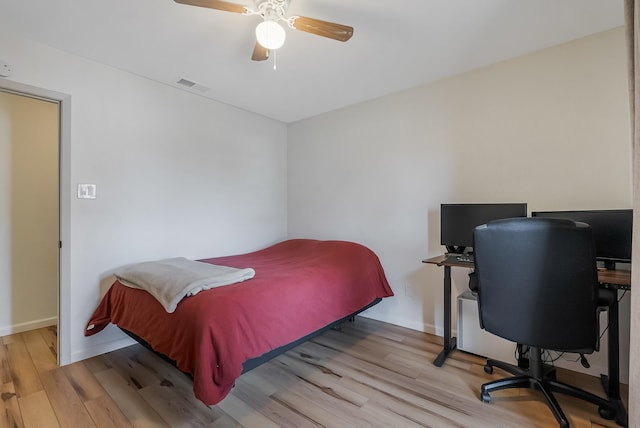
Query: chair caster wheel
606, 413
484, 396
488, 369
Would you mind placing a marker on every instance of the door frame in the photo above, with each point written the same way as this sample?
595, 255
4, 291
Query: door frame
64, 192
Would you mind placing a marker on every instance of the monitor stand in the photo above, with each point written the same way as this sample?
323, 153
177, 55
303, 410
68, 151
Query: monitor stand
455, 249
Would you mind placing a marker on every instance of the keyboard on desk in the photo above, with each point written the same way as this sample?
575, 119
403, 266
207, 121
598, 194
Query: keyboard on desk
460, 258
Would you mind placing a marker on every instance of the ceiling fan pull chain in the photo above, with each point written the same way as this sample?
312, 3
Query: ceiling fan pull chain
275, 59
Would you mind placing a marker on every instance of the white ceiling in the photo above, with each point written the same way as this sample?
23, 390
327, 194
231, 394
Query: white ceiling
397, 44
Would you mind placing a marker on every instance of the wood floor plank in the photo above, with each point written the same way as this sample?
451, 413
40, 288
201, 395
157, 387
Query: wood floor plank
174, 382
37, 411
23, 372
466, 384
12, 338
83, 382
259, 383
274, 375
136, 375
66, 403
157, 381
396, 417
226, 421
411, 413
127, 399
281, 415
387, 331
328, 383
106, 413
506, 408
10, 415
41, 355
311, 410
50, 336
5, 370
98, 363
380, 377
328, 398
416, 345
161, 373
244, 414
421, 410
175, 409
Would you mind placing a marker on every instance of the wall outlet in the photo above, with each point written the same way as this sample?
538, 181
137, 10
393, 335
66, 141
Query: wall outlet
5, 69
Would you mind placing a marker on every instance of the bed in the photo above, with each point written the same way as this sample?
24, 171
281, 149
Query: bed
301, 287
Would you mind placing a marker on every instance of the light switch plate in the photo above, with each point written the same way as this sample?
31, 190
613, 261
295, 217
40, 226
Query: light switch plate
86, 191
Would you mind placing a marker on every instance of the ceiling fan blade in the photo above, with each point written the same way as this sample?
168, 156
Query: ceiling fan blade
323, 28
215, 4
260, 53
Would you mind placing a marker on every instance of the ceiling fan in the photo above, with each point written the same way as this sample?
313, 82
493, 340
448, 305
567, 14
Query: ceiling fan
269, 33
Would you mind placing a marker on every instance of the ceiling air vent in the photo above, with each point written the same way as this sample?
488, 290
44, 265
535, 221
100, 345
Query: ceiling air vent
190, 84
186, 83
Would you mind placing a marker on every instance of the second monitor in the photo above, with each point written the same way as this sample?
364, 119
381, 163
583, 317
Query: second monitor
612, 231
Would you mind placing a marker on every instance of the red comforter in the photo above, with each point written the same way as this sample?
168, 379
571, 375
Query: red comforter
300, 286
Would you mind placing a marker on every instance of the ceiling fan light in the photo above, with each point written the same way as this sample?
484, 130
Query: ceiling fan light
270, 34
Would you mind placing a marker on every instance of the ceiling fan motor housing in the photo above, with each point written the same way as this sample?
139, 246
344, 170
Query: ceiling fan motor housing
273, 10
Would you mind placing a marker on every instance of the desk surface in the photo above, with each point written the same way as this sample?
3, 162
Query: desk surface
620, 278
617, 278
444, 260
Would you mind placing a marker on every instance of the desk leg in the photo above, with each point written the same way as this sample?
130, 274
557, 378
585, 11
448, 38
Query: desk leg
611, 382
449, 342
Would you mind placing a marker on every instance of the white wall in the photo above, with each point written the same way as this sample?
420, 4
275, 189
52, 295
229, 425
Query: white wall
29, 213
176, 174
550, 129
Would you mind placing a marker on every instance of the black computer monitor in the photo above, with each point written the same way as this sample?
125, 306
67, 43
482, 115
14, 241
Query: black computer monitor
612, 231
457, 221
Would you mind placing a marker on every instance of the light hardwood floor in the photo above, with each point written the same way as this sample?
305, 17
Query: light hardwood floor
369, 374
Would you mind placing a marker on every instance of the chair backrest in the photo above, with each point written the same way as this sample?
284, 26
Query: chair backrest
538, 282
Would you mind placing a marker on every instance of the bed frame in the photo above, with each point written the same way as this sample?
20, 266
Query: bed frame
255, 362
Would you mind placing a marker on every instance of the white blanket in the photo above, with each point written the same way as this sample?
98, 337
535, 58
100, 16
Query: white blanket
171, 280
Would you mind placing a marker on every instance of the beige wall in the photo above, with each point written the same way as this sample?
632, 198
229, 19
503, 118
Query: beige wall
550, 128
29, 213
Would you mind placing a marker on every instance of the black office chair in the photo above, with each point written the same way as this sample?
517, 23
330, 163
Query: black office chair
538, 287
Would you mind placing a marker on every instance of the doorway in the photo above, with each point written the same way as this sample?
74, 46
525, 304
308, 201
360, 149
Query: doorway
33, 217
29, 224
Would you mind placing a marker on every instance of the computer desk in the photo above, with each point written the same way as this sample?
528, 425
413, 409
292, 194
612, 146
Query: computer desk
610, 280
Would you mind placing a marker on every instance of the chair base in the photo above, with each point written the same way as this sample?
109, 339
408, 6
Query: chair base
543, 378
549, 371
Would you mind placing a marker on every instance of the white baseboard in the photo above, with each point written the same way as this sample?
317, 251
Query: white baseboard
26, 326
402, 322
102, 348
